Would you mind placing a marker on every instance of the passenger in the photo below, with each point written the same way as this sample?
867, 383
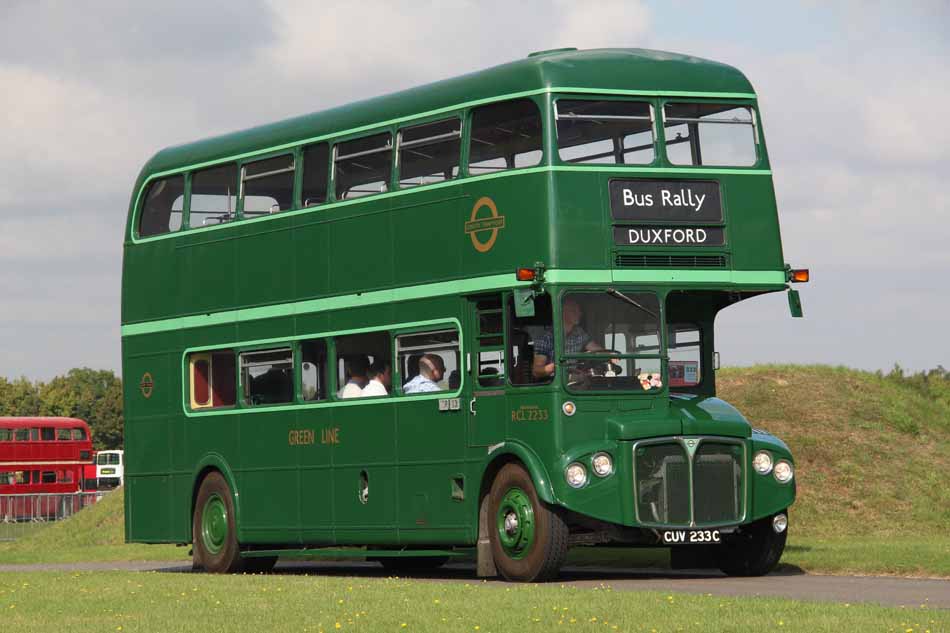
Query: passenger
576, 340
380, 379
431, 370
356, 367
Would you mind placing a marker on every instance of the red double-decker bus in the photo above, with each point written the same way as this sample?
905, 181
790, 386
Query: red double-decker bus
41, 459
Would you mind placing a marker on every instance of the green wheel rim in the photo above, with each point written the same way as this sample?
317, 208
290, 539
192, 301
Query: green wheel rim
515, 523
214, 524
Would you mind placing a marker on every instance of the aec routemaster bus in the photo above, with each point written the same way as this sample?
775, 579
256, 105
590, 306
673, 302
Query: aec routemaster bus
40, 457
474, 314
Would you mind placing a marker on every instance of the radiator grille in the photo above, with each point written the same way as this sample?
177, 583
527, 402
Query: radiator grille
662, 485
628, 260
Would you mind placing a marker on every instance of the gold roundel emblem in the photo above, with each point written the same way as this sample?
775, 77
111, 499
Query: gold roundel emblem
488, 225
147, 385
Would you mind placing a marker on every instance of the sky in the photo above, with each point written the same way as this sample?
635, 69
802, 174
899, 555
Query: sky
854, 99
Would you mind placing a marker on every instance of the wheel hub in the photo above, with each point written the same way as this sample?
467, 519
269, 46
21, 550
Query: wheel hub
515, 523
511, 523
214, 524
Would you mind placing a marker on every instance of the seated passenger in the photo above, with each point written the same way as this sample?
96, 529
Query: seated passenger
431, 370
356, 367
380, 379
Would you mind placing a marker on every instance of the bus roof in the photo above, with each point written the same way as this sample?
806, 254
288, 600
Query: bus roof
41, 421
645, 70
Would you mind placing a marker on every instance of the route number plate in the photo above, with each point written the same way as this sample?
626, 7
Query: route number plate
690, 537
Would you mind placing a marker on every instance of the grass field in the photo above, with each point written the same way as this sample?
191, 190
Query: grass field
127, 602
872, 453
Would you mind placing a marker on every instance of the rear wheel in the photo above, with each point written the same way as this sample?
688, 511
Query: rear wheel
755, 551
213, 529
528, 539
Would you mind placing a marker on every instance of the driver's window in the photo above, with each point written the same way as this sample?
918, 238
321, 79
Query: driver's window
531, 344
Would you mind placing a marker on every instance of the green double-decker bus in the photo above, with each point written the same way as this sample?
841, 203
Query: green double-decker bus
476, 315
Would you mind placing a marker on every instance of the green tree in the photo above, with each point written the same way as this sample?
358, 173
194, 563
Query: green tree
19, 397
91, 395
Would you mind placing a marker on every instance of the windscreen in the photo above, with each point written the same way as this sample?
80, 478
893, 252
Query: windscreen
610, 340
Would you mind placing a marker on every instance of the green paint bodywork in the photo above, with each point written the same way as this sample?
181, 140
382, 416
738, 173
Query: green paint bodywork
392, 261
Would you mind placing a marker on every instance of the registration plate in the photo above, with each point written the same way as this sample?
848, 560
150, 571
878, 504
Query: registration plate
108, 471
690, 537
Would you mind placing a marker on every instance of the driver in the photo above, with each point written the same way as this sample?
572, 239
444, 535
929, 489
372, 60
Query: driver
576, 341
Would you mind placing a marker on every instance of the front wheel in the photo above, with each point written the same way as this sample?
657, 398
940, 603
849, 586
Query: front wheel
529, 541
213, 529
755, 551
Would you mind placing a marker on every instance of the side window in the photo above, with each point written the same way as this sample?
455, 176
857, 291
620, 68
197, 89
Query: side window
316, 172
491, 344
6, 435
709, 134
213, 196
63, 435
531, 344
685, 351
21, 435
505, 136
47, 434
313, 370
79, 434
212, 379
268, 186
268, 376
363, 166
363, 365
34, 435
613, 132
429, 153
48, 477
162, 206
429, 361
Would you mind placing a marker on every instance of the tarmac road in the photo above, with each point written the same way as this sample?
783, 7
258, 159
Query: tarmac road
885, 590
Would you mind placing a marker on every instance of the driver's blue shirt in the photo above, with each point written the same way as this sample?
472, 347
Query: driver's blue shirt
574, 342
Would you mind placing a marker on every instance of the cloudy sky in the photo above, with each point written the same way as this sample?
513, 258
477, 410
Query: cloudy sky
855, 99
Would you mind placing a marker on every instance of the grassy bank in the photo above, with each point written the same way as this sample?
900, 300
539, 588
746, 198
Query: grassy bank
130, 602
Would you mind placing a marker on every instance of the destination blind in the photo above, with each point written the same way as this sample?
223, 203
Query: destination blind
665, 200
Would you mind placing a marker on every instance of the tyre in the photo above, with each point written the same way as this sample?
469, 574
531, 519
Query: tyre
755, 551
411, 563
529, 541
213, 530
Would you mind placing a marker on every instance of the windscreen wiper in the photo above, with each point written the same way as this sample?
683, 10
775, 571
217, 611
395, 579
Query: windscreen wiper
613, 292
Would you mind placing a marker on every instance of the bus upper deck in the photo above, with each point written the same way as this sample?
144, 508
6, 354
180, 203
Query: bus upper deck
626, 165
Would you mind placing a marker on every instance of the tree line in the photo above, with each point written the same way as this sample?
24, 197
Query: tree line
93, 395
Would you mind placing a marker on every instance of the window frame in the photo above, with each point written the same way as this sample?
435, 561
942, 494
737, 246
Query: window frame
233, 214
542, 107
294, 154
335, 156
193, 356
143, 200
399, 381
239, 352
397, 163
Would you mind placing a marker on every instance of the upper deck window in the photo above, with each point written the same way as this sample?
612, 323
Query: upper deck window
363, 166
717, 134
268, 186
316, 174
604, 132
162, 209
429, 153
213, 196
505, 135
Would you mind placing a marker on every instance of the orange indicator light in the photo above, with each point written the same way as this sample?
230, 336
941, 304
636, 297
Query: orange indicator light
800, 275
525, 274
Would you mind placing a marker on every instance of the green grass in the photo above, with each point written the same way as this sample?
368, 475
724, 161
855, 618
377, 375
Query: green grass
127, 602
94, 534
872, 454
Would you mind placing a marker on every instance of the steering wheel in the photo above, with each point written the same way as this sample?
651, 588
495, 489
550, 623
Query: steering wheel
584, 369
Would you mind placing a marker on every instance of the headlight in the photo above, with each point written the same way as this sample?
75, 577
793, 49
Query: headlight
784, 472
762, 463
576, 475
602, 464
569, 408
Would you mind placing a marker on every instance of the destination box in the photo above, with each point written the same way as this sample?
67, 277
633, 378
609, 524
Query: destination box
669, 236
666, 200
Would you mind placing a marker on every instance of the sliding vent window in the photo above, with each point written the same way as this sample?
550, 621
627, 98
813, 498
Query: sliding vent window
710, 134
162, 208
363, 167
213, 196
429, 153
605, 132
268, 186
505, 136
268, 376
316, 173
212, 378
